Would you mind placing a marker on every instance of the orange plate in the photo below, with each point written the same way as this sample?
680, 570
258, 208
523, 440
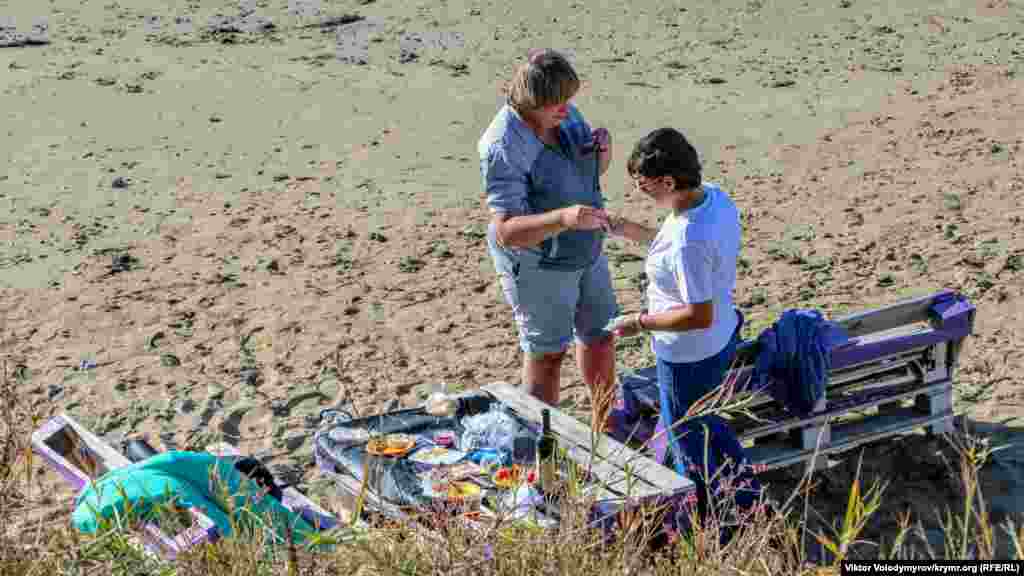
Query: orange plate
390, 445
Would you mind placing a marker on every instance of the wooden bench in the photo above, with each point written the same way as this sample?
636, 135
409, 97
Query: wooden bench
893, 375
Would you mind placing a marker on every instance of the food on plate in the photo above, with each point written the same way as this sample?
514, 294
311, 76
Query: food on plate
390, 445
437, 455
461, 491
464, 470
460, 471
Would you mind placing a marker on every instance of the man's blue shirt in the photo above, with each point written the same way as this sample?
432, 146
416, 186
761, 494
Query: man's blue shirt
522, 175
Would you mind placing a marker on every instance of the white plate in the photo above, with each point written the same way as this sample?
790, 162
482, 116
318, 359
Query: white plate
437, 456
349, 436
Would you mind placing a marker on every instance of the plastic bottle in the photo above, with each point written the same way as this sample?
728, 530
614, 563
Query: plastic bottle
439, 403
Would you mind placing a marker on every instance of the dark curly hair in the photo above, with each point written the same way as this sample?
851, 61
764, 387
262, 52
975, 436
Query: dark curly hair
666, 152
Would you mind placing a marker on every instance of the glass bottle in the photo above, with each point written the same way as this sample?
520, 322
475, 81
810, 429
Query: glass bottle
547, 447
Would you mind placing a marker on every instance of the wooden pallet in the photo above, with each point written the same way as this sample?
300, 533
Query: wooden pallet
81, 457
898, 378
623, 472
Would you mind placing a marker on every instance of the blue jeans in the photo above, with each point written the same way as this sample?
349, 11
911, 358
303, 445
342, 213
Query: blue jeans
680, 385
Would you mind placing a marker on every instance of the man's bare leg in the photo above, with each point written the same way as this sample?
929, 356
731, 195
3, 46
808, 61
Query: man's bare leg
596, 362
541, 375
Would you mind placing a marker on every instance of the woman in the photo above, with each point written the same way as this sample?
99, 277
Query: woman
691, 271
541, 166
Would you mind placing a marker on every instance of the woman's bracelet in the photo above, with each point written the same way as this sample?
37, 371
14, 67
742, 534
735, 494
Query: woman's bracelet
640, 321
617, 224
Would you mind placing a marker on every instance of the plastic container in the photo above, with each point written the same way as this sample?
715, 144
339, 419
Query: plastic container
441, 405
445, 438
137, 449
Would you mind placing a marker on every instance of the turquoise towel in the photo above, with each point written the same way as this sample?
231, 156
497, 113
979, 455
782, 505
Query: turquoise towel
186, 478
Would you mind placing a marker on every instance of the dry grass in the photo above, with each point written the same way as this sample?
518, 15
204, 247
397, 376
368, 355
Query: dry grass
773, 540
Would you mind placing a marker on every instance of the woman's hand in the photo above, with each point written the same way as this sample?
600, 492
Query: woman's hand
581, 217
625, 228
616, 225
625, 326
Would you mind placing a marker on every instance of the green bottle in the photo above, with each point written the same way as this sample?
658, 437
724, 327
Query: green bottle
547, 448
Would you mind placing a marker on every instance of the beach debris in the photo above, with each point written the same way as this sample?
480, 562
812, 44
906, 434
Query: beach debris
352, 40
87, 364
411, 44
121, 182
53, 391
122, 263
245, 22
38, 34
187, 406
335, 21
304, 8
249, 375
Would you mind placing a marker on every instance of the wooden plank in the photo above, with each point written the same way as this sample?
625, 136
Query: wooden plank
109, 458
838, 379
608, 459
796, 422
579, 443
898, 314
847, 436
290, 497
153, 540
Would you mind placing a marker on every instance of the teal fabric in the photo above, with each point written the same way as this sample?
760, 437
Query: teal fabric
187, 478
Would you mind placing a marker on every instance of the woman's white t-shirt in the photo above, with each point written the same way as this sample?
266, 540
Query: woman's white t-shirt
693, 260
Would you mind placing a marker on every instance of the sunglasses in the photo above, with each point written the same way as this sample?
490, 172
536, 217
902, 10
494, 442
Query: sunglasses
644, 184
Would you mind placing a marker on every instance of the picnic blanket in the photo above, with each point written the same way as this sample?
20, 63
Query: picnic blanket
340, 447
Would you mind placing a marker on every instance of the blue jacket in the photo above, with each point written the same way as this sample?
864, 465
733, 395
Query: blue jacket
794, 358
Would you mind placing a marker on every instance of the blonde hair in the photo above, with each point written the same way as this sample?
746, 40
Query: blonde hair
545, 79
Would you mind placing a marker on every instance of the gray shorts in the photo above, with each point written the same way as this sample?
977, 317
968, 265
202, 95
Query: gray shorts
554, 307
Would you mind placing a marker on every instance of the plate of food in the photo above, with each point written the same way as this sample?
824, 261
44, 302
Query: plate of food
462, 491
460, 471
348, 436
437, 456
390, 445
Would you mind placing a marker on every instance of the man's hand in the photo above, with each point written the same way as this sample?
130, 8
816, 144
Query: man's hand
624, 326
602, 139
580, 217
603, 144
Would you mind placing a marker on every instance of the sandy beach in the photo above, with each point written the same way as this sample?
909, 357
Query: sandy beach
218, 219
